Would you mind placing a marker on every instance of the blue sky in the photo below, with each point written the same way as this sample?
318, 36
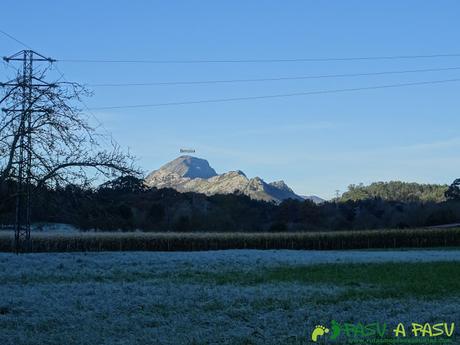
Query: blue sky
316, 143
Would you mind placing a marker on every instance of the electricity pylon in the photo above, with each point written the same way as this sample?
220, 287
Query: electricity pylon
28, 83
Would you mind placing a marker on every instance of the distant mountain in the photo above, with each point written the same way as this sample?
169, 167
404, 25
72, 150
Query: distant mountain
316, 199
191, 174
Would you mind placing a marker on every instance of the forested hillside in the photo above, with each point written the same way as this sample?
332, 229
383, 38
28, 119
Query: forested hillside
396, 191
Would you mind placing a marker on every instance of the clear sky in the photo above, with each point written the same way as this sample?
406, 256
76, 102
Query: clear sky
316, 143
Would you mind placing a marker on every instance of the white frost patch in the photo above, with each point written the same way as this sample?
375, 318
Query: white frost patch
55, 228
209, 260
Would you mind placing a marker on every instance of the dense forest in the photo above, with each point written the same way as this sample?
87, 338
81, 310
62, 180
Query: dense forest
396, 191
126, 204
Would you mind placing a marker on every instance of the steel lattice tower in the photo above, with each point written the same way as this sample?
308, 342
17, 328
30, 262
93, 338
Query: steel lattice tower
27, 82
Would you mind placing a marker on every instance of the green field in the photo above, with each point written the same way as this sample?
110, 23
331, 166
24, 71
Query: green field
371, 280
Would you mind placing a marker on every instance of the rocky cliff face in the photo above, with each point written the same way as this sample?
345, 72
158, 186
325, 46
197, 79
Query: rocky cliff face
191, 174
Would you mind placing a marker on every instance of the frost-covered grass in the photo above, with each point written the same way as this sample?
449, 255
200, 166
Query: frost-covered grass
220, 297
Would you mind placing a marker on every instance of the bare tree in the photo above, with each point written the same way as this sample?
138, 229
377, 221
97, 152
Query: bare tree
64, 147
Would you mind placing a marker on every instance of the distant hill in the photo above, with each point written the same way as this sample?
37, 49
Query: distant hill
316, 199
192, 174
396, 191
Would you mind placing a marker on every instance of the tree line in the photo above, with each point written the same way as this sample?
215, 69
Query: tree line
126, 204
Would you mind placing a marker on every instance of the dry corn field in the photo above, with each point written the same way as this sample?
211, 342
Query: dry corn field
145, 241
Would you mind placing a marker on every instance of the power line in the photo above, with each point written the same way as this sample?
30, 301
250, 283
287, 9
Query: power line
218, 100
148, 61
273, 79
99, 123
63, 77
394, 57
390, 57
15, 39
60, 73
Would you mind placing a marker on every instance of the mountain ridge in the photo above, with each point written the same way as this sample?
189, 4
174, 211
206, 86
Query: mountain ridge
192, 174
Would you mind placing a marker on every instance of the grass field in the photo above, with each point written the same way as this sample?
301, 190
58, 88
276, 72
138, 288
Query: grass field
219, 297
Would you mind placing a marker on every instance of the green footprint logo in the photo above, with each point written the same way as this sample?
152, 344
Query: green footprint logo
336, 329
318, 331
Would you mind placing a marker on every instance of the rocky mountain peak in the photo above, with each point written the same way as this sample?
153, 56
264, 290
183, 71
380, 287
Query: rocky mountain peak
192, 174
188, 167
280, 185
